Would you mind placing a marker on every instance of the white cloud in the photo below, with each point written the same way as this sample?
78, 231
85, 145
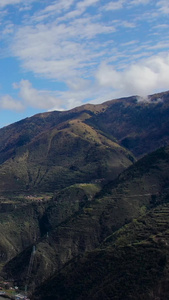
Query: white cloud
57, 6
60, 51
61, 100
114, 5
8, 29
7, 102
137, 2
128, 24
141, 78
119, 4
4, 3
56, 100
161, 26
163, 6
41, 99
86, 3
64, 10
54, 8
67, 40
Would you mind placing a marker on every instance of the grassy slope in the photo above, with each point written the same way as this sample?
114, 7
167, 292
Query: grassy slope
135, 123
19, 227
57, 149
37, 219
118, 203
54, 150
72, 152
24, 220
133, 263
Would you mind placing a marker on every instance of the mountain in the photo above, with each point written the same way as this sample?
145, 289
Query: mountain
19, 227
139, 124
137, 191
68, 153
133, 261
71, 193
53, 150
26, 219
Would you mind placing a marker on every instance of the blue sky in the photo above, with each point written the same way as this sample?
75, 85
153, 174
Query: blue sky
56, 55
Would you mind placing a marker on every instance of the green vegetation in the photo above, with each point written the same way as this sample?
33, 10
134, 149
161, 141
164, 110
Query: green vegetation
97, 218
133, 263
69, 153
80, 219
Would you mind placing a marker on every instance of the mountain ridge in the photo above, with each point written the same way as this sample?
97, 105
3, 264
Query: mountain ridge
70, 181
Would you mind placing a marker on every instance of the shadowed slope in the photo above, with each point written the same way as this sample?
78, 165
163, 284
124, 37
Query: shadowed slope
139, 124
133, 263
139, 189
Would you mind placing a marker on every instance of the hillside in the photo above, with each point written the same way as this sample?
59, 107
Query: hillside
24, 220
71, 152
135, 121
133, 263
53, 150
70, 188
138, 190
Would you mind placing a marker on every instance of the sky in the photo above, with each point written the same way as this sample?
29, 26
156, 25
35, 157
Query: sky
59, 54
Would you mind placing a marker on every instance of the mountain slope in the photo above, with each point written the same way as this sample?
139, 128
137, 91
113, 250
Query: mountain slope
133, 263
139, 189
56, 149
69, 153
135, 121
52, 151
25, 220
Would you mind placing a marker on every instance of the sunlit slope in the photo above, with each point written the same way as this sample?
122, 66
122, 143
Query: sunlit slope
69, 153
134, 121
56, 149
